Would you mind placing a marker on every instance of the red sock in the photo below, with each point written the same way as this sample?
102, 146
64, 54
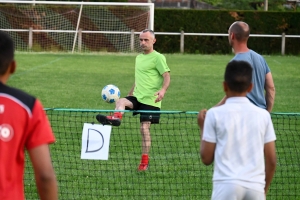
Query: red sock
145, 159
118, 115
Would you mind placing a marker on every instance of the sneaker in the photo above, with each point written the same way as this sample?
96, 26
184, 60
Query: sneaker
114, 120
143, 167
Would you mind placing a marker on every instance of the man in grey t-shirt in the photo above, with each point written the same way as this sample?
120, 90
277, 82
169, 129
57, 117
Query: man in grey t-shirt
263, 92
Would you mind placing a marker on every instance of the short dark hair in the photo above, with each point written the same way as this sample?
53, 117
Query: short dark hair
6, 51
241, 30
238, 75
149, 30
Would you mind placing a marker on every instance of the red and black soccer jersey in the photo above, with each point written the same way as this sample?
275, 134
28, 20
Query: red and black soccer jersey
23, 125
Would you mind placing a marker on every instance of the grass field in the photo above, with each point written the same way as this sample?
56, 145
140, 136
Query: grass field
76, 81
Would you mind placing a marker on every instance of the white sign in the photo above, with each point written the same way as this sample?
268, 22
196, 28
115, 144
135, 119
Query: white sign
95, 141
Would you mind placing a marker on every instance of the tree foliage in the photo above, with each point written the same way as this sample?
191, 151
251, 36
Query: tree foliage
274, 5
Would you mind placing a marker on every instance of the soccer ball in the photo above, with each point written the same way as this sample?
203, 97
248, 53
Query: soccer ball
110, 93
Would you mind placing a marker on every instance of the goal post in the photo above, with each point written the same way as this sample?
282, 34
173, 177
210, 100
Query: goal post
42, 26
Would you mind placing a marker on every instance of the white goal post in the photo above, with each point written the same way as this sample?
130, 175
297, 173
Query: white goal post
75, 26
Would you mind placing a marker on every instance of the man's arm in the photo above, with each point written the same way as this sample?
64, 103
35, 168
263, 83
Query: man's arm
161, 93
207, 149
270, 91
222, 101
270, 163
167, 80
131, 90
44, 172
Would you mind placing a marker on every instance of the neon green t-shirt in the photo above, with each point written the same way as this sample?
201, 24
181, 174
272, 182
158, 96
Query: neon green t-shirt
148, 77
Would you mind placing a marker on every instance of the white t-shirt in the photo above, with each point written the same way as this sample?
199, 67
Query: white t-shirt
240, 130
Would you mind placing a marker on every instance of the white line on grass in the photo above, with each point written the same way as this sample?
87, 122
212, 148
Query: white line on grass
36, 67
277, 62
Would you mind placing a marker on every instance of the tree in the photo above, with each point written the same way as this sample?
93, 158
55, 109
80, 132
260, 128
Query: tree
247, 4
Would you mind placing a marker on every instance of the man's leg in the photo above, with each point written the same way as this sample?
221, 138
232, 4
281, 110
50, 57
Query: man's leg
115, 119
147, 119
146, 145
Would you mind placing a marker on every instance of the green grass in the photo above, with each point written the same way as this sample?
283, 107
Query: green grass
76, 81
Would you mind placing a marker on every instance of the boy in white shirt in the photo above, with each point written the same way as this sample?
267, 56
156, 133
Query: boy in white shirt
239, 138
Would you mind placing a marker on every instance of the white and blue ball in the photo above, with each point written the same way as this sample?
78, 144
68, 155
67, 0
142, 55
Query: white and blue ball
110, 93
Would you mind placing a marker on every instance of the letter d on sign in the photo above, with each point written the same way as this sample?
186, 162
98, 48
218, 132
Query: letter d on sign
95, 141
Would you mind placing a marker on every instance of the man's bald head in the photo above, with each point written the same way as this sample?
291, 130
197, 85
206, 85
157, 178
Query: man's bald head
240, 30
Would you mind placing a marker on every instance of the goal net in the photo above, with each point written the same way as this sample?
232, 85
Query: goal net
41, 26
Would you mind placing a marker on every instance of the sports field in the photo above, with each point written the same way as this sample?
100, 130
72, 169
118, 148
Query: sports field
76, 81
176, 172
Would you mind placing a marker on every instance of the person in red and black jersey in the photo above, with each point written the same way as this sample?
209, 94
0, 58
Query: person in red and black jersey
23, 125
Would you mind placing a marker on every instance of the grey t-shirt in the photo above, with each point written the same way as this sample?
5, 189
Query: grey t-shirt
260, 69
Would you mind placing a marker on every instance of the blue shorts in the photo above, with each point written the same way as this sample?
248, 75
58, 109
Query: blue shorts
153, 117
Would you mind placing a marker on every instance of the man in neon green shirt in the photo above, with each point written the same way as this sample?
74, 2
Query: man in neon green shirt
152, 79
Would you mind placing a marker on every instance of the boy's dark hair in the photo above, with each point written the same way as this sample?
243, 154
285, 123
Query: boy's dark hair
6, 51
238, 75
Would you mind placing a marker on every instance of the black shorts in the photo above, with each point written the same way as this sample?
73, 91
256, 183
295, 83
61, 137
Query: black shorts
153, 117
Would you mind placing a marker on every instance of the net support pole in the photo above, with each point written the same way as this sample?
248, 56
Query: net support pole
30, 38
283, 44
76, 32
132, 40
79, 39
182, 42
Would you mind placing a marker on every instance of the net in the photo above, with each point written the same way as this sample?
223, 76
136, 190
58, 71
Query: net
175, 172
77, 26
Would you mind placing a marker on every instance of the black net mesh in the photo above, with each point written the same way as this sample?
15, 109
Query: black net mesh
175, 171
